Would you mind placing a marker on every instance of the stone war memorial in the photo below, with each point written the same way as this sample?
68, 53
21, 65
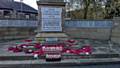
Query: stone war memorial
51, 19
52, 24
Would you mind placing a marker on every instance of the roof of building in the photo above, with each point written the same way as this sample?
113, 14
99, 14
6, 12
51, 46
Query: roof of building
18, 6
23, 7
5, 5
51, 0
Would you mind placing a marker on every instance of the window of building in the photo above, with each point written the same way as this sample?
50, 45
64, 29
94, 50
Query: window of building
32, 16
21, 15
6, 13
1, 12
27, 16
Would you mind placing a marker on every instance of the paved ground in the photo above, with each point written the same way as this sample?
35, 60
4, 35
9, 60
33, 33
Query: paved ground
63, 64
99, 47
4, 49
70, 61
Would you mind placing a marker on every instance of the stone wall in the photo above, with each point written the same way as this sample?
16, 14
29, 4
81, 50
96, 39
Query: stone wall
89, 29
15, 33
100, 34
116, 30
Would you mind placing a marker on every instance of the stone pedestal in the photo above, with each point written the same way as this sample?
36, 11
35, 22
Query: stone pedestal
51, 18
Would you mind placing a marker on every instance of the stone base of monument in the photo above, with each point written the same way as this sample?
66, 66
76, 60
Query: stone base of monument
41, 37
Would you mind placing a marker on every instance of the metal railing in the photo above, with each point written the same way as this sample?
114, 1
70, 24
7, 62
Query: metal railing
67, 24
88, 24
18, 23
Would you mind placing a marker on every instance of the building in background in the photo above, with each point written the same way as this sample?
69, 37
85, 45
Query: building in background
17, 20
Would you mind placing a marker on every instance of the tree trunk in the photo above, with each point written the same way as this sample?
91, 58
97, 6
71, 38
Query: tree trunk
87, 2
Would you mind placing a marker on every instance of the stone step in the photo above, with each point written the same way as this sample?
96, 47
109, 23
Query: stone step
13, 58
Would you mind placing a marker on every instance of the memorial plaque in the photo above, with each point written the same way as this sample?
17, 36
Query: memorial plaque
51, 19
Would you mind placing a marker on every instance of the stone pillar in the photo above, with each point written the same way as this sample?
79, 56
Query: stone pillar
116, 30
51, 18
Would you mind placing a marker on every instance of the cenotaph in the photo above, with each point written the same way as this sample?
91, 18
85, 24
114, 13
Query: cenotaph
51, 18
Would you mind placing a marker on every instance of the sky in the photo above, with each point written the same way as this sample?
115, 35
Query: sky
31, 3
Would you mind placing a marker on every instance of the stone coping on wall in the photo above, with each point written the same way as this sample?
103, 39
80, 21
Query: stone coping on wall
57, 35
